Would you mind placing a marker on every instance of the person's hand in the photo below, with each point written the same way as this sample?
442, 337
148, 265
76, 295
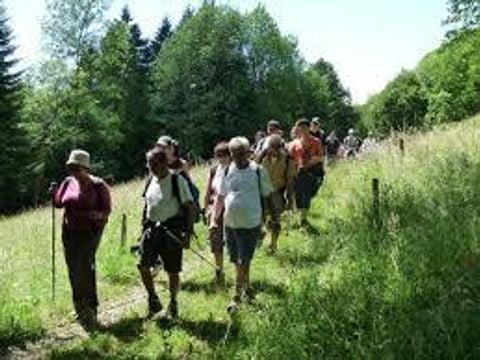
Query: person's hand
213, 226
97, 215
53, 188
186, 240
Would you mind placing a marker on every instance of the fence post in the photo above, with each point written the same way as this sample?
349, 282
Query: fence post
376, 202
402, 146
123, 234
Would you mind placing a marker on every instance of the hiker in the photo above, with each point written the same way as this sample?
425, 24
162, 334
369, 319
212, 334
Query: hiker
259, 136
215, 235
369, 144
281, 170
241, 190
351, 144
316, 130
273, 127
307, 152
175, 162
167, 228
87, 203
332, 146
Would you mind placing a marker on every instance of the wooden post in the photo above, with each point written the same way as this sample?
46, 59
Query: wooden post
123, 234
376, 203
402, 146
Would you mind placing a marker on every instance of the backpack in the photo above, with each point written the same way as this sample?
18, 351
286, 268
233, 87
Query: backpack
176, 193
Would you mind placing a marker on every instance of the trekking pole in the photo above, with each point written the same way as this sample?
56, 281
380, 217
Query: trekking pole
53, 186
180, 242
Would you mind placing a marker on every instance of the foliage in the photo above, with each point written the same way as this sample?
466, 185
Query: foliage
73, 26
445, 86
14, 181
463, 13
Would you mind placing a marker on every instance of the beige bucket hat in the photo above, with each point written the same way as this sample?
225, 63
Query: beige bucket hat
79, 158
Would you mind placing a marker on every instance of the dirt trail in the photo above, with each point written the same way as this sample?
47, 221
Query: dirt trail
110, 312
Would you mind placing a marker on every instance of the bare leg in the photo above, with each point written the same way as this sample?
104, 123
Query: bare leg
174, 285
147, 280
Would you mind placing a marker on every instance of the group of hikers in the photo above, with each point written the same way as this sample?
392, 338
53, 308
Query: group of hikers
249, 186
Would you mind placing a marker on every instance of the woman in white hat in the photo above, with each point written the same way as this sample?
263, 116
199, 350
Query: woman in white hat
87, 204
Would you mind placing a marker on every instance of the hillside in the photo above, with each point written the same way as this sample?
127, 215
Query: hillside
345, 289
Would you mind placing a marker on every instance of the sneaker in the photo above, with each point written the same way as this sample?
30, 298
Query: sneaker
234, 305
154, 306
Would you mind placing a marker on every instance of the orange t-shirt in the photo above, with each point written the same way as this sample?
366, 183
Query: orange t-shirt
302, 150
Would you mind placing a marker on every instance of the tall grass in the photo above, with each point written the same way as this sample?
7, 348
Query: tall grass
410, 289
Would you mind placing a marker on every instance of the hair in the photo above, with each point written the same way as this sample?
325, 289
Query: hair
274, 123
275, 141
156, 153
316, 121
302, 123
238, 143
221, 147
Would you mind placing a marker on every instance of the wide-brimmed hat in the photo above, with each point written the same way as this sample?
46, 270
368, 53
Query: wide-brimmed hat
165, 140
79, 158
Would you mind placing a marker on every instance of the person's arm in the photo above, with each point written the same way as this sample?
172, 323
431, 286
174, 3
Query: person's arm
58, 193
105, 207
209, 191
219, 203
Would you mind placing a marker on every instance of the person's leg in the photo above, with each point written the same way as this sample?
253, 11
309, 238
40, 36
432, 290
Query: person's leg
216, 244
149, 255
171, 254
230, 239
70, 253
91, 298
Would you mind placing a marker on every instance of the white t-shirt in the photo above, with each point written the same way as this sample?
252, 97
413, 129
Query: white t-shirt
217, 178
162, 204
241, 189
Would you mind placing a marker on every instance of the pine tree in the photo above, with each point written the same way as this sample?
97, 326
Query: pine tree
12, 137
163, 33
126, 16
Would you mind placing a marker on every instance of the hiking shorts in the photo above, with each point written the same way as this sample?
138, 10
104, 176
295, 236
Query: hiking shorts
241, 244
215, 236
157, 243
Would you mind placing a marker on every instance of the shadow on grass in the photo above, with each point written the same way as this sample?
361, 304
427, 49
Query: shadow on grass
17, 339
262, 286
209, 330
205, 287
127, 330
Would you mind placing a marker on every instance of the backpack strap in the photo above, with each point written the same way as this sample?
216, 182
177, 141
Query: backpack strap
176, 189
148, 181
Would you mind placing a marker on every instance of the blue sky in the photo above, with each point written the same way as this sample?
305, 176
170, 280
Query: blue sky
368, 41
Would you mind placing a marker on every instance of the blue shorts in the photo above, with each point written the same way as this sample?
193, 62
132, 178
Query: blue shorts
241, 244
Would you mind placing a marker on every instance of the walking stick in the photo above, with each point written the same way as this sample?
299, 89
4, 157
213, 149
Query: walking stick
53, 187
180, 242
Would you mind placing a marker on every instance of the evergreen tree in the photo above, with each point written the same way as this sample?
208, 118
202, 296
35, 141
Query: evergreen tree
126, 16
13, 156
163, 33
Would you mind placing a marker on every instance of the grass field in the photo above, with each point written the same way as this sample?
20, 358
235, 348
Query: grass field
345, 289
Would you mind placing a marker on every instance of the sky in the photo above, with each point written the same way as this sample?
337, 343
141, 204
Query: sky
368, 41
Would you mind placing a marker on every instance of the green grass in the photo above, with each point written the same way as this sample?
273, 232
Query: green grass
346, 290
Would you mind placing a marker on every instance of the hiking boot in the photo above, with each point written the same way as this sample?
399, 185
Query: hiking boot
172, 309
234, 305
154, 305
219, 277
250, 294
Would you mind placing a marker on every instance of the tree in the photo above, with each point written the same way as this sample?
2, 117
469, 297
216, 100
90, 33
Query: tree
188, 13
274, 65
72, 26
324, 96
464, 13
163, 33
13, 157
201, 92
